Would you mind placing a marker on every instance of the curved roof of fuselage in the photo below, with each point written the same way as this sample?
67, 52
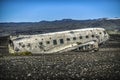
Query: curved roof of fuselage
60, 32
68, 31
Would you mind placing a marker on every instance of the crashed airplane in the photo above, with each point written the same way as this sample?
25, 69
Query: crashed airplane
87, 39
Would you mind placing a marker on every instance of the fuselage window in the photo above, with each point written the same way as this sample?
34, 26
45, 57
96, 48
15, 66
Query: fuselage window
19, 44
48, 42
71, 32
55, 42
40, 43
87, 36
97, 36
74, 38
68, 39
28, 45
61, 41
80, 37
23, 45
16, 49
93, 36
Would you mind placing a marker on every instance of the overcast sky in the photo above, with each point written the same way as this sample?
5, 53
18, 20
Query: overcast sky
37, 10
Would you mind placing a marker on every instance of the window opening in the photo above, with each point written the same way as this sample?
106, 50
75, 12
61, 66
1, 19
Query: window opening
68, 39
80, 37
40, 43
48, 42
74, 38
93, 36
61, 41
87, 36
55, 42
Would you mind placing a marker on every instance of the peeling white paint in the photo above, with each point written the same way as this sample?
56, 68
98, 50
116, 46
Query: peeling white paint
43, 43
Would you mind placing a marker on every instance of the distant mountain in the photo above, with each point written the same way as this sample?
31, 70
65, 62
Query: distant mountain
58, 25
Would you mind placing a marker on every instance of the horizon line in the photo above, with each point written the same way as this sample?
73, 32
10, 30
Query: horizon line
59, 20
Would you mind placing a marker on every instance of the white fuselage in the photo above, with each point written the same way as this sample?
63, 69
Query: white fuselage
56, 41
